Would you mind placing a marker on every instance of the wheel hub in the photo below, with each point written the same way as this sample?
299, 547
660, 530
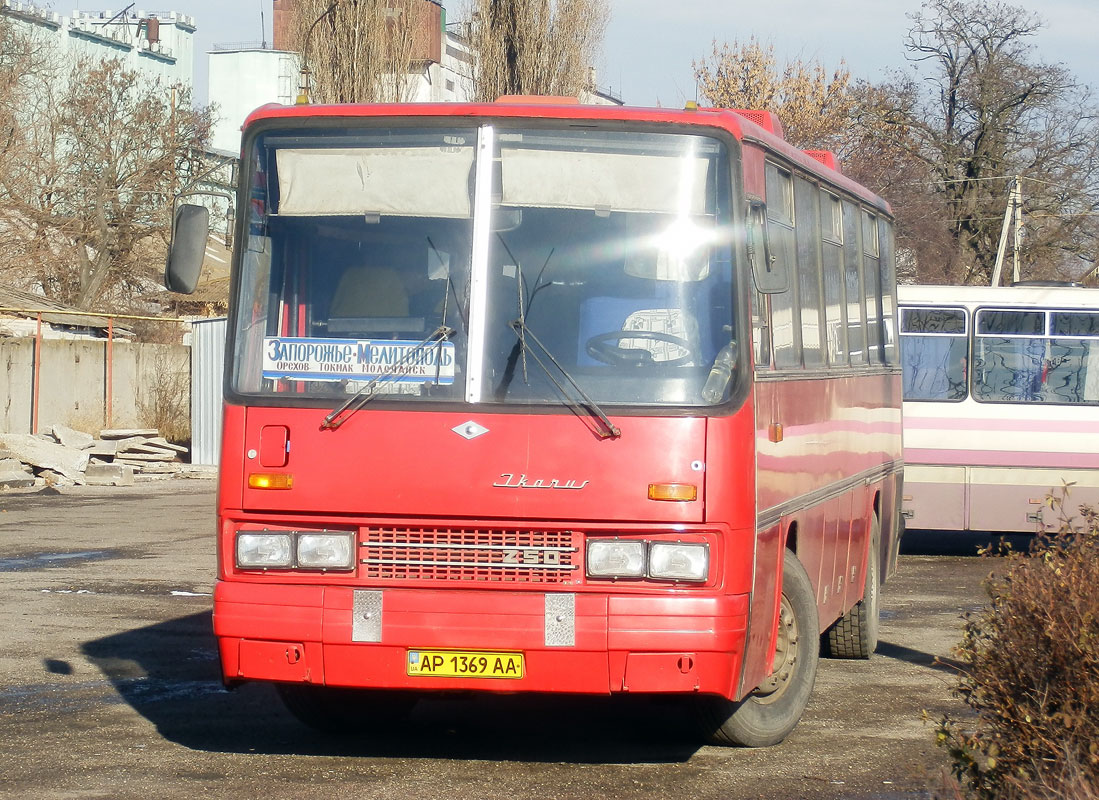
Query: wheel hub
786, 653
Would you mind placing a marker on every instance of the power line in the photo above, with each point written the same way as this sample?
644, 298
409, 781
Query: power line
978, 180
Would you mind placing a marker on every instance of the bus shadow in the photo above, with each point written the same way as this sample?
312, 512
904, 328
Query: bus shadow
919, 658
168, 673
961, 543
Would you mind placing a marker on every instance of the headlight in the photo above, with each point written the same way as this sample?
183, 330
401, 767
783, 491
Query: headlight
616, 558
264, 550
326, 550
320, 550
677, 561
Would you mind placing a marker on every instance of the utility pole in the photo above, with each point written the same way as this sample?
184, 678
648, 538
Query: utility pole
1017, 204
1013, 212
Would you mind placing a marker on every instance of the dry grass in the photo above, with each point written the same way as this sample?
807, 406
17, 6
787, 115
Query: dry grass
166, 400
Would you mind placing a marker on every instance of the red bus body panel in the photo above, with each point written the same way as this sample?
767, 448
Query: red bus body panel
390, 468
407, 462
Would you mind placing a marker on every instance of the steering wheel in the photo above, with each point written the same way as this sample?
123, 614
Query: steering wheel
603, 347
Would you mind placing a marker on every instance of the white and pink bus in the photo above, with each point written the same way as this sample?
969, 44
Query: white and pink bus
1001, 404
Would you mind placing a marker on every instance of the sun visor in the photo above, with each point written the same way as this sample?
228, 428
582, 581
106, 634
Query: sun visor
604, 181
409, 181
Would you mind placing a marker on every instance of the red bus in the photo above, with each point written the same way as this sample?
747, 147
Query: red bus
527, 397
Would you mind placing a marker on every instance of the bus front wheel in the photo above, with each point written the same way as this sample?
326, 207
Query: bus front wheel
768, 714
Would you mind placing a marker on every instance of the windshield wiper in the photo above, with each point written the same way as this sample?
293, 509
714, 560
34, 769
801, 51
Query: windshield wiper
608, 430
337, 416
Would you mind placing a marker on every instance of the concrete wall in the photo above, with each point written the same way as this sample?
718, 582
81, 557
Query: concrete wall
150, 386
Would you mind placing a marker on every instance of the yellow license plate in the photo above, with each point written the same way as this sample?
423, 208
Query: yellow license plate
464, 664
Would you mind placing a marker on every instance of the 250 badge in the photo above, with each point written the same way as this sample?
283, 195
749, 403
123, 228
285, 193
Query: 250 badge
532, 556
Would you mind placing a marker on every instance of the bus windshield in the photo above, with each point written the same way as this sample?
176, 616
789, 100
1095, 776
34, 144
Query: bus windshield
487, 264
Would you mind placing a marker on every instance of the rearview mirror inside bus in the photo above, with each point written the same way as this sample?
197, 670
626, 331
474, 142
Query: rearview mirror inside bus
190, 228
770, 275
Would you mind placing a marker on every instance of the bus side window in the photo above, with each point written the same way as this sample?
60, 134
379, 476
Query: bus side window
934, 344
1073, 366
854, 292
785, 320
761, 331
887, 265
835, 308
808, 245
871, 276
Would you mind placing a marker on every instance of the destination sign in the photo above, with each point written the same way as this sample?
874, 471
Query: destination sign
356, 359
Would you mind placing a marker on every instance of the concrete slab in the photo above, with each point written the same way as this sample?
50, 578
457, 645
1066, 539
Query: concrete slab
46, 455
53, 478
134, 455
103, 448
148, 449
160, 468
13, 475
13, 482
126, 433
162, 442
109, 475
70, 437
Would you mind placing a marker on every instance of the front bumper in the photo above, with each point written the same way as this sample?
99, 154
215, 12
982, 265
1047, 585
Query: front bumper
582, 642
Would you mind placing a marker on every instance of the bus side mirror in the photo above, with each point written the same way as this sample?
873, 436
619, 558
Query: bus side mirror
190, 229
770, 276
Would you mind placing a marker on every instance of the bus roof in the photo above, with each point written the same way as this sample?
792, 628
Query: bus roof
744, 125
973, 296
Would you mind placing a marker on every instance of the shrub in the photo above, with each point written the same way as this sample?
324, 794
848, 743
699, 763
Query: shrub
165, 399
1030, 673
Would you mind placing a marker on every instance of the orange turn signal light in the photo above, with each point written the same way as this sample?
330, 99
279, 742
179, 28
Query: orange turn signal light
676, 492
270, 480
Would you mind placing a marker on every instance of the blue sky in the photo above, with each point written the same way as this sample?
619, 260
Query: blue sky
651, 44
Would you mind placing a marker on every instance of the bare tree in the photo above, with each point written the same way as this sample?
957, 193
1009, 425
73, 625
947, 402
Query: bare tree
827, 110
815, 106
90, 200
359, 52
977, 112
881, 154
27, 81
534, 47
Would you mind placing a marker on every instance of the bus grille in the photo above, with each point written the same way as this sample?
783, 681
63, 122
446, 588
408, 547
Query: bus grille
483, 556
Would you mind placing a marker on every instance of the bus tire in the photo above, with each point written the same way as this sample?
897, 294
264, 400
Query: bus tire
767, 715
338, 710
855, 634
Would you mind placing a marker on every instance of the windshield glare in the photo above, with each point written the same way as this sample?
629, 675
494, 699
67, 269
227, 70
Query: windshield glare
610, 249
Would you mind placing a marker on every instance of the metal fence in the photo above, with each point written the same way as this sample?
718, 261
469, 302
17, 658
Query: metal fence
207, 370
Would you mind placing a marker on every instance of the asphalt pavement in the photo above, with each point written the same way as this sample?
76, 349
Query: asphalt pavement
109, 688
